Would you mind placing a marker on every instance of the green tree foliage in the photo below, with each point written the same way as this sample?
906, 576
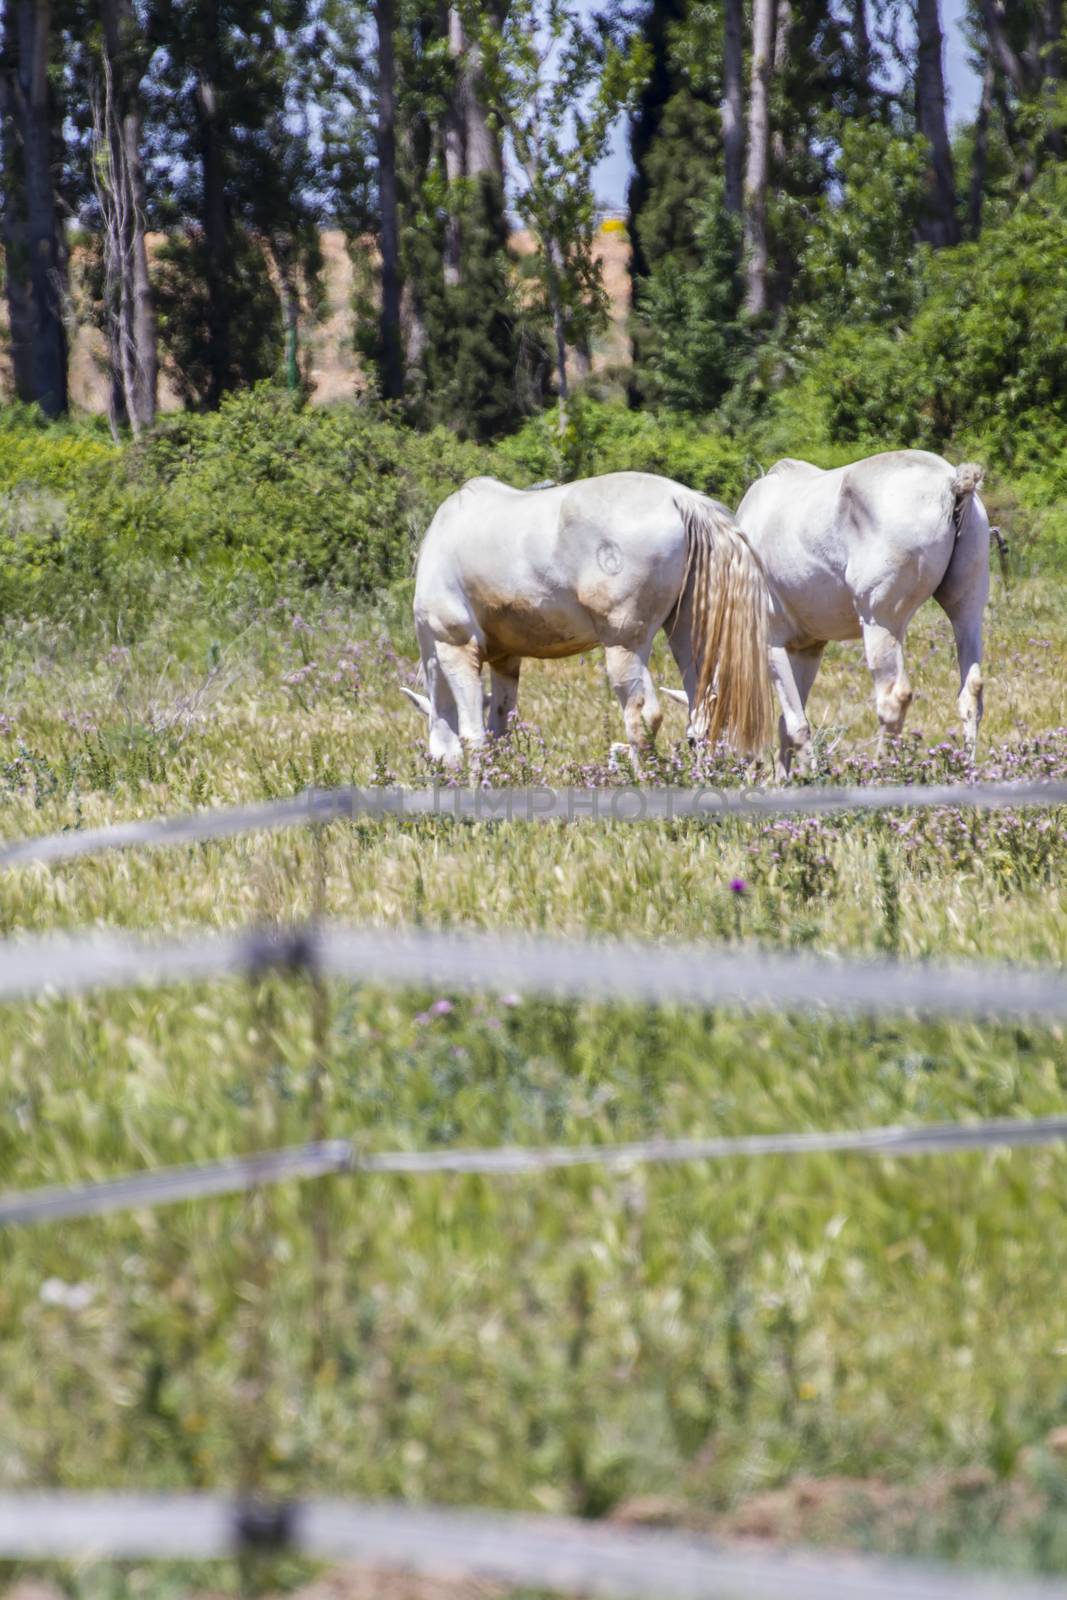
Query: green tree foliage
686, 284
676, 145
858, 261
665, 227
675, 111
984, 356
695, 313
234, 182
253, 314
483, 362
555, 86
466, 335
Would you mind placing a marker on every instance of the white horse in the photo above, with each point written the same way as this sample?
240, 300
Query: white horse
855, 551
505, 573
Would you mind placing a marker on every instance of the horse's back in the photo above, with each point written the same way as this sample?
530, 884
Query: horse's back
535, 569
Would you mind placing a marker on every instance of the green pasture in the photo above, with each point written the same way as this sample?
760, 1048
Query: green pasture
837, 1348
576, 1342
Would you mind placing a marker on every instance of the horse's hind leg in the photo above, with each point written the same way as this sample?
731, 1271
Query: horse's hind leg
892, 690
679, 631
629, 676
962, 596
503, 694
968, 631
793, 672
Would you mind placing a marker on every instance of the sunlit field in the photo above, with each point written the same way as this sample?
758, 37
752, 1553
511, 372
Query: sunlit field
837, 1348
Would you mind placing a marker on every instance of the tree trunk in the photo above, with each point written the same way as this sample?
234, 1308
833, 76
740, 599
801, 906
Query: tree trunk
454, 143
112, 197
1052, 75
146, 353
553, 255
16, 276
1000, 47
756, 169
733, 105
471, 148
939, 225
1017, 143
861, 52
783, 27
140, 368
980, 153
392, 364
36, 261
1012, 71
214, 218
289, 294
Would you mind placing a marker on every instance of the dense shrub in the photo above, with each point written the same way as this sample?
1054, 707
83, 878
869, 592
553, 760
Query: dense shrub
38, 455
609, 438
266, 488
269, 495
984, 356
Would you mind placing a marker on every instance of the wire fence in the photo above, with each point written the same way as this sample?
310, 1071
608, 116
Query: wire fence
629, 803
325, 1157
630, 972
553, 1553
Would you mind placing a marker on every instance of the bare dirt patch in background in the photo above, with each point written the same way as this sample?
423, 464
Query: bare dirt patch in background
329, 329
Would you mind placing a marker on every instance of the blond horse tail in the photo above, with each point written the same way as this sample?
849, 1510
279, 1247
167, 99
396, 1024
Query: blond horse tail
728, 602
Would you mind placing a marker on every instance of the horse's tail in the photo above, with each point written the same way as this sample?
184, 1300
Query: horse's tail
964, 486
728, 601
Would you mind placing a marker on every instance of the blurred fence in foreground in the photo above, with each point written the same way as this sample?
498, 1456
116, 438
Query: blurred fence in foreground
554, 1553
624, 971
632, 803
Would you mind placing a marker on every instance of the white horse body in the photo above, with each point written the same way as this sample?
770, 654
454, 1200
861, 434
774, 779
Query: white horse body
506, 573
853, 552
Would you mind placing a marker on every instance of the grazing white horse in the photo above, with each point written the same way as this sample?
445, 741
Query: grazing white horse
855, 551
505, 573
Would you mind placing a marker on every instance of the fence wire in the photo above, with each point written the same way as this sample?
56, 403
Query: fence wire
555, 1553
531, 804
597, 970
237, 1174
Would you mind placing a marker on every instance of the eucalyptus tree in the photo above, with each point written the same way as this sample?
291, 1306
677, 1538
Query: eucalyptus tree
939, 224
118, 112
755, 189
236, 185
34, 246
555, 85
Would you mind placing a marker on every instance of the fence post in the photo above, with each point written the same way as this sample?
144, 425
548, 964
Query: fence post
254, 1423
318, 1201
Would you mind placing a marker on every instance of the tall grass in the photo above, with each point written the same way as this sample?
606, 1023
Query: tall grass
574, 1342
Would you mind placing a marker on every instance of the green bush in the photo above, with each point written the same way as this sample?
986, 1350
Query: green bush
984, 356
269, 495
36, 454
266, 489
609, 438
